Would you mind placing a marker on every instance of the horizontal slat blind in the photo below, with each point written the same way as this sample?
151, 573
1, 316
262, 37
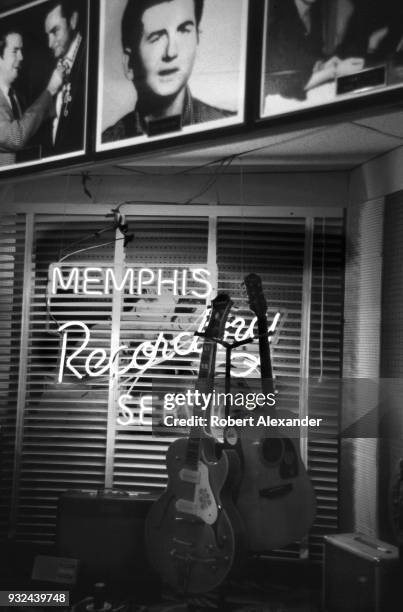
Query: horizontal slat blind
12, 235
65, 423
325, 372
139, 461
273, 249
65, 426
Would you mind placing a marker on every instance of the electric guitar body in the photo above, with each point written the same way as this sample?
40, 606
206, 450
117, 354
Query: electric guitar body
193, 531
276, 499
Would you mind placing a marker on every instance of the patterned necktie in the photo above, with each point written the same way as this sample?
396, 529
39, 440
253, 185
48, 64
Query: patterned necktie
15, 107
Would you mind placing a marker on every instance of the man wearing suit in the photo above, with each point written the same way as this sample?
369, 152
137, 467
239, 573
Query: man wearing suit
67, 44
294, 45
160, 40
373, 31
17, 127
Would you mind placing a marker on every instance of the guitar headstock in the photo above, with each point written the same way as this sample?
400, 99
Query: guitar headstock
220, 307
257, 301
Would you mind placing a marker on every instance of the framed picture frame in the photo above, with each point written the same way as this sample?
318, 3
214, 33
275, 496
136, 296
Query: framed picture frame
43, 83
323, 52
168, 69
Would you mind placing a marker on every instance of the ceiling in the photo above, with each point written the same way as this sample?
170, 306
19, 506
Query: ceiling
318, 146
340, 145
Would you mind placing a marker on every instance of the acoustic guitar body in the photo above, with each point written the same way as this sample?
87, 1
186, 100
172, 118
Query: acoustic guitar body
276, 497
193, 531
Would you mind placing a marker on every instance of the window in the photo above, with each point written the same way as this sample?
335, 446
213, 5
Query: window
65, 435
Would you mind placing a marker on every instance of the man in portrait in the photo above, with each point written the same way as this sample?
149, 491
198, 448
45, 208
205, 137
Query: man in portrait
160, 40
373, 30
296, 62
65, 133
16, 125
294, 45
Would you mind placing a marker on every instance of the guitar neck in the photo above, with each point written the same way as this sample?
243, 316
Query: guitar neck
258, 305
220, 308
205, 380
204, 385
266, 370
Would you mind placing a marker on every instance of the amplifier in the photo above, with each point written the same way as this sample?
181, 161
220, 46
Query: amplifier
361, 574
104, 530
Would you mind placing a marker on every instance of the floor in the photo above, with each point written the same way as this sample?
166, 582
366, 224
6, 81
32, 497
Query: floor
264, 586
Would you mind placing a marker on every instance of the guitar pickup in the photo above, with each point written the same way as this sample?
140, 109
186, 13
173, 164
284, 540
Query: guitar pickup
279, 491
190, 476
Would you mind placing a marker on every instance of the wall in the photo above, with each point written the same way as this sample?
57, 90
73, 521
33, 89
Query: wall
373, 331
365, 189
391, 443
325, 189
361, 359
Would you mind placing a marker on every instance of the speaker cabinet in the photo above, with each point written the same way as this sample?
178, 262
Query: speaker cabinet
360, 575
104, 530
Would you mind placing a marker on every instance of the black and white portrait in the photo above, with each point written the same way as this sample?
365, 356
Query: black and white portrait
320, 51
169, 67
43, 82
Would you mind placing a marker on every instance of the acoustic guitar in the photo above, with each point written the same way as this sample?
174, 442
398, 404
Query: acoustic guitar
276, 498
193, 531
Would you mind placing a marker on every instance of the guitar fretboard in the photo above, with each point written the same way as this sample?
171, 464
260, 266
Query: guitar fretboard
205, 383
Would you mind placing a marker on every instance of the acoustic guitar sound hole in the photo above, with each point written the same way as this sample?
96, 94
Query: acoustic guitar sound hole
272, 450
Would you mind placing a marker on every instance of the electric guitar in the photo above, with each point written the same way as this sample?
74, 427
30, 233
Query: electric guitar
276, 498
193, 531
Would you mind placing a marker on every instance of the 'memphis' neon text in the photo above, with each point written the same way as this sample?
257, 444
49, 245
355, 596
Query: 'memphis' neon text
134, 281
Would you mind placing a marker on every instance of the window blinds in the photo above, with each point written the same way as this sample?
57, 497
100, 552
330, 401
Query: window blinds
70, 437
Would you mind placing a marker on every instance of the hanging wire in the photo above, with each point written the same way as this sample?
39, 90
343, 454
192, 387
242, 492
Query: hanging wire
212, 180
322, 298
66, 190
243, 223
85, 238
94, 246
286, 140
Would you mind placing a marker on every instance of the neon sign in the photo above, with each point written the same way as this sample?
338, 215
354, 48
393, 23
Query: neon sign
93, 280
151, 353
80, 360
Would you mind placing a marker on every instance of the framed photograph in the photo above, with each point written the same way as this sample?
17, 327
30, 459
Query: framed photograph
43, 82
169, 68
317, 52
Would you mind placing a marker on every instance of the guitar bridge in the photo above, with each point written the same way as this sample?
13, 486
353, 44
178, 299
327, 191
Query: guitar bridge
279, 491
190, 476
184, 542
204, 560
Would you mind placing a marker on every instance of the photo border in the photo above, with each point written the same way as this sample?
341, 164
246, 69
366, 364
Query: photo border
376, 96
73, 157
186, 134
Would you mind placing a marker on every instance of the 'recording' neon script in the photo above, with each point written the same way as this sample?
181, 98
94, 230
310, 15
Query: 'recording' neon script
135, 281
149, 353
